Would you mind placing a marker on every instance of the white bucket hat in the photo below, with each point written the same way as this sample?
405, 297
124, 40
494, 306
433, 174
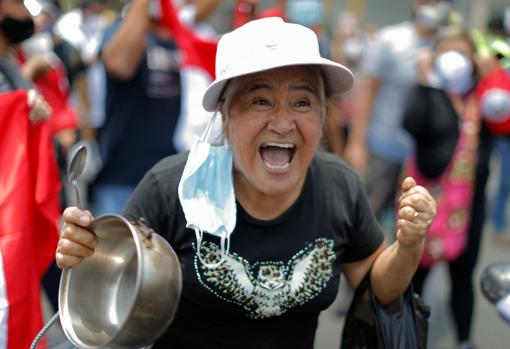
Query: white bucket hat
270, 43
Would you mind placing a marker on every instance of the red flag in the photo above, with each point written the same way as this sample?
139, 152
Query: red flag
29, 212
54, 86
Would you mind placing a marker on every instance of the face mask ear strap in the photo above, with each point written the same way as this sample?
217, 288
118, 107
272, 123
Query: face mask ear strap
208, 129
225, 247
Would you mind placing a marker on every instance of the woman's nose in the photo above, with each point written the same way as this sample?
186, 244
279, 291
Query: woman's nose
282, 121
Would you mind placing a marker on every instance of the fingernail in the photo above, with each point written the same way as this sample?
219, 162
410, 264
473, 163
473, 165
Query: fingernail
84, 219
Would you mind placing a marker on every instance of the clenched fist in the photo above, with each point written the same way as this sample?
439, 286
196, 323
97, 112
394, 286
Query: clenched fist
415, 215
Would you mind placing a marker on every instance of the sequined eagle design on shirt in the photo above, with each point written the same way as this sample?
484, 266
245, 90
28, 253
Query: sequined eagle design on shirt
275, 287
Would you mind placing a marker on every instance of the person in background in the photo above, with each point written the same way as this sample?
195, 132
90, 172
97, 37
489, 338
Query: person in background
46, 14
496, 107
83, 27
443, 117
293, 218
43, 67
16, 25
499, 204
349, 46
378, 144
142, 106
144, 101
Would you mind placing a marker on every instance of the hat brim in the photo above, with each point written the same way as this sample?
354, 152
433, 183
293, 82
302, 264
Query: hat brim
337, 78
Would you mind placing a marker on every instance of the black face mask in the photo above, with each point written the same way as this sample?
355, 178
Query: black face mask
17, 30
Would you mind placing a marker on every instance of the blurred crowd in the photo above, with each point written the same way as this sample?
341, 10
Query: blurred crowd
432, 100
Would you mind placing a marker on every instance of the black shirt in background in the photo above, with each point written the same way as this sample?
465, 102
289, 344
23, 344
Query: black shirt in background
432, 121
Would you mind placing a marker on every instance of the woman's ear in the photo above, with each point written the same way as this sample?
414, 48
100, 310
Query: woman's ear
224, 119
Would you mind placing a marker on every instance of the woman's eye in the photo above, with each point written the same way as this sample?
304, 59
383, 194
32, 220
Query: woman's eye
261, 102
302, 103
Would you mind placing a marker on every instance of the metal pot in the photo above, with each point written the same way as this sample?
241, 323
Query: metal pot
126, 294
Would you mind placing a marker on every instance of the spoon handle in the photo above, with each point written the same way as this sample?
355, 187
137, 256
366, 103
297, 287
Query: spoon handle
77, 194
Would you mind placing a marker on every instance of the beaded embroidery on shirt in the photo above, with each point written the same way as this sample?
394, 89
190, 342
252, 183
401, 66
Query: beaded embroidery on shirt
268, 288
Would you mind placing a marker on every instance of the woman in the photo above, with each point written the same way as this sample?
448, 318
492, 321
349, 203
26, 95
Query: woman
302, 216
443, 117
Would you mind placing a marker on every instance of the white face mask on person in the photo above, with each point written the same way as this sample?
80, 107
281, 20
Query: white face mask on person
206, 192
453, 72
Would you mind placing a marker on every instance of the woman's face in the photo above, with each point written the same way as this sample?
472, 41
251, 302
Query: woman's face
274, 127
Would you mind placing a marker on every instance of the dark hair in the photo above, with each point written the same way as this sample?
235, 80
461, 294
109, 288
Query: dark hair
455, 32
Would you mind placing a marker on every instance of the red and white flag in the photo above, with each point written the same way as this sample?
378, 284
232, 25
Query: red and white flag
197, 72
29, 213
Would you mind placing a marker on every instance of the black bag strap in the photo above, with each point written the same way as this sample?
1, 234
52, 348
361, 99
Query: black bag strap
363, 285
358, 293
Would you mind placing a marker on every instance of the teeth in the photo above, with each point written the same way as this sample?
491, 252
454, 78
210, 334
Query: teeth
277, 167
279, 145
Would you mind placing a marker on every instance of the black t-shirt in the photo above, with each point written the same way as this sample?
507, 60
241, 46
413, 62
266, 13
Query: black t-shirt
141, 114
279, 274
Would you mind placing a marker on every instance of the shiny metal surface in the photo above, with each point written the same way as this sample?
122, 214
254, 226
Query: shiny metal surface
74, 170
495, 281
125, 295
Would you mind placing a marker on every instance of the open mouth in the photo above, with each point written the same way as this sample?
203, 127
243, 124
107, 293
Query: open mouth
277, 156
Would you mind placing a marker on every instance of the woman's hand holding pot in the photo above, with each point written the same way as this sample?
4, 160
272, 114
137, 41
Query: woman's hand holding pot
76, 240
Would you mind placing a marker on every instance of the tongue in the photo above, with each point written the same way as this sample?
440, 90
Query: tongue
275, 156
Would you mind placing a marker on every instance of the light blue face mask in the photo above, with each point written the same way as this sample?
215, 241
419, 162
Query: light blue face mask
206, 192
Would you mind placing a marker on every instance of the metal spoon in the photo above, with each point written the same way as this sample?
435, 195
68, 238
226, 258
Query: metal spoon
74, 170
